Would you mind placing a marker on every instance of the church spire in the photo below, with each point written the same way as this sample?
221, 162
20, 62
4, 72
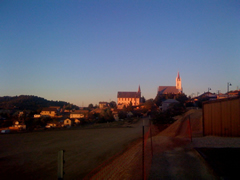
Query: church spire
139, 90
178, 76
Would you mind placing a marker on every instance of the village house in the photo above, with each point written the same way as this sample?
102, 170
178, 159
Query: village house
37, 115
78, 114
68, 122
125, 98
18, 126
51, 125
52, 112
77, 121
103, 105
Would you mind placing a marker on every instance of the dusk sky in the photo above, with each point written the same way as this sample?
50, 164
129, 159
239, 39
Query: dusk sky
85, 51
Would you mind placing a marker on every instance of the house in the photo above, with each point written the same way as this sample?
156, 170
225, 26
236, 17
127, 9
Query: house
77, 121
21, 113
17, 125
51, 125
167, 103
37, 115
171, 89
125, 98
79, 114
52, 112
103, 105
67, 122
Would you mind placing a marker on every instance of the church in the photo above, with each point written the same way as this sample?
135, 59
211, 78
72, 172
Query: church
171, 89
124, 98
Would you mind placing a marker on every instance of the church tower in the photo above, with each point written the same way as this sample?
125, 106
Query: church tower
178, 83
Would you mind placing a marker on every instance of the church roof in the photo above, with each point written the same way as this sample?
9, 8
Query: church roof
167, 90
128, 95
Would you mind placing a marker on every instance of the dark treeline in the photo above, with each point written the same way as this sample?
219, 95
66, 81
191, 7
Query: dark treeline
26, 102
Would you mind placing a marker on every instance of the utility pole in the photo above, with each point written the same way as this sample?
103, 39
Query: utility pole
228, 84
209, 90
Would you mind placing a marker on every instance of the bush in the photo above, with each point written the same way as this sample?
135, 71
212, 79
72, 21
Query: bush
166, 117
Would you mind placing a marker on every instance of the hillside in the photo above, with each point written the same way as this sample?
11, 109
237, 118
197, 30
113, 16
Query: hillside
28, 102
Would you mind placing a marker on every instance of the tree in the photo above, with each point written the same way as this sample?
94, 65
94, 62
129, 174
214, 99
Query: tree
112, 104
130, 108
143, 100
106, 115
90, 106
159, 99
182, 98
149, 104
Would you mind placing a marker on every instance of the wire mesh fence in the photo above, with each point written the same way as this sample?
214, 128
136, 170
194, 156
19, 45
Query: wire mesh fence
135, 162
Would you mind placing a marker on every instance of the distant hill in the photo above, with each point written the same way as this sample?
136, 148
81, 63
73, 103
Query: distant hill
25, 102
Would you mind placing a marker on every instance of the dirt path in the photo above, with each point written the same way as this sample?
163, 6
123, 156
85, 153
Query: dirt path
34, 155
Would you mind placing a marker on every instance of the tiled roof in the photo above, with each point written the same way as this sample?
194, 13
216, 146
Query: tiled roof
49, 109
80, 112
167, 90
128, 95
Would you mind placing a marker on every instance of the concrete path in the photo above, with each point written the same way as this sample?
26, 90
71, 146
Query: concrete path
174, 156
179, 163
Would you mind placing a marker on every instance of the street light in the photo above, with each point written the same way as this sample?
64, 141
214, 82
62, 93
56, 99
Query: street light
209, 90
228, 84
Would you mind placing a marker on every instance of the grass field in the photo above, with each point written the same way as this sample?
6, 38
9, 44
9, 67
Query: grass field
34, 155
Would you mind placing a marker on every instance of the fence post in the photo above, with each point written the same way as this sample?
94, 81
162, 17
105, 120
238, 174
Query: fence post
190, 128
61, 164
151, 137
143, 174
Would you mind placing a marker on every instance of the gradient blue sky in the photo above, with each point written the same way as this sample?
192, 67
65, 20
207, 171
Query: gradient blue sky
84, 51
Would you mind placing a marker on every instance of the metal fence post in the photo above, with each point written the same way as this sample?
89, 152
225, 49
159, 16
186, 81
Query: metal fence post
151, 137
143, 174
190, 128
61, 164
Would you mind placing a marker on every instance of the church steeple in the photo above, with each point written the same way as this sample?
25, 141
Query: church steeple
139, 90
178, 76
178, 83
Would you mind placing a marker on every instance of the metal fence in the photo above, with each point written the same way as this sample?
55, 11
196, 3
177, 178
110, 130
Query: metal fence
222, 117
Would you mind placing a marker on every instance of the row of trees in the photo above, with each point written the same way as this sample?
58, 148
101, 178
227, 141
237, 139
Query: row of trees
33, 103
